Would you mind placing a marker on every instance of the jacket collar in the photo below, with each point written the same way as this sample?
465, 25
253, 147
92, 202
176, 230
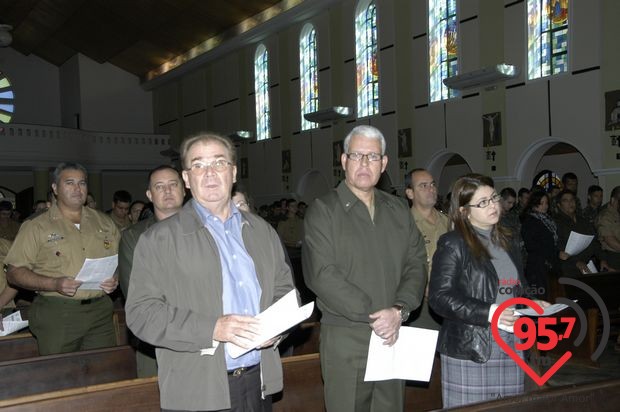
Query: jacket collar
190, 221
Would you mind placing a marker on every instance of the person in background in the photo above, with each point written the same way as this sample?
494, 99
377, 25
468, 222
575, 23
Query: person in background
165, 190
522, 198
241, 199
291, 230
90, 201
8, 226
7, 293
540, 235
469, 267
120, 209
567, 221
570, 182
608, 228
594, 206
135, 210
421, 190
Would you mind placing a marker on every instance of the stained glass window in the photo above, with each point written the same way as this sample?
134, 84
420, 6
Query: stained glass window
366, 59
308, 75
261, 90
442, 47
547, 37
7, 105
548, 179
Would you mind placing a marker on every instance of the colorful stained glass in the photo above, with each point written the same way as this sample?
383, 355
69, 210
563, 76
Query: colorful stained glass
547, 37
367, 70
308, 75
547, 179
261, 91
7, 104
442, 46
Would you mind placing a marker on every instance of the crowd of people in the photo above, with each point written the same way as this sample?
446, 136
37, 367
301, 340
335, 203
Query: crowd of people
197, 262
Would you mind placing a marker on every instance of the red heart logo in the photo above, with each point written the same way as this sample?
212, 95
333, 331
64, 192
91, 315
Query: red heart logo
540, 380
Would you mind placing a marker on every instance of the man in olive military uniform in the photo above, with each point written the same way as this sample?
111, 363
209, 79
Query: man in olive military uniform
46, 256
421, 190
364, 258
608, 229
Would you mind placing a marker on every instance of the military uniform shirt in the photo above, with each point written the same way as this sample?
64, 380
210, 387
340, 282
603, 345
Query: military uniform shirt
608, 224
53, 246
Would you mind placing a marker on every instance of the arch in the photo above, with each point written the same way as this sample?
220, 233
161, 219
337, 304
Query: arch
525, 167
311, 185
437, 164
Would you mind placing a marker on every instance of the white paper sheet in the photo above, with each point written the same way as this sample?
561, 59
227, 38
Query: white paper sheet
577, 243
95, 271
592, 267
13, 323
410, 358
277, 318
549, 310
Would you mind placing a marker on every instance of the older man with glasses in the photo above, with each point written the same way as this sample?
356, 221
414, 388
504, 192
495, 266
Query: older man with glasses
364, 258
198, 280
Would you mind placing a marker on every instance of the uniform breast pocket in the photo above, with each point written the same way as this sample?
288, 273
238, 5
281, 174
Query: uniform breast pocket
55, 256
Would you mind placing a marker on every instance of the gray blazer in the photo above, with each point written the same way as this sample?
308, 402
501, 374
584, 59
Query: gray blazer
175, 299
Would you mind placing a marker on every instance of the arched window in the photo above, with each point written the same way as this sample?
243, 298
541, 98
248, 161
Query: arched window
7, 104
261, 90
441, 47
366, 59
308, 75
547, 37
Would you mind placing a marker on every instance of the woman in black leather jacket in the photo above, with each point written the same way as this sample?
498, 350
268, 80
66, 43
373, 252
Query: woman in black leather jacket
476, 267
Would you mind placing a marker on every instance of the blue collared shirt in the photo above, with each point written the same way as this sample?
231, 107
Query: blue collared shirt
241, 290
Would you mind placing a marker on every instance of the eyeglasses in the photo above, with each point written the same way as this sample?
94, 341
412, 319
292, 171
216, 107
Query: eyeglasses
371, 157
161, 187
199, 168
485, 202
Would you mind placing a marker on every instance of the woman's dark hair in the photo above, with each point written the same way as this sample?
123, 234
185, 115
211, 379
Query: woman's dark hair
462, 192
535, 200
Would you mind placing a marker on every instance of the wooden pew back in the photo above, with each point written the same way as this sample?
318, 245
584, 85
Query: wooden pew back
54, 372
18, 346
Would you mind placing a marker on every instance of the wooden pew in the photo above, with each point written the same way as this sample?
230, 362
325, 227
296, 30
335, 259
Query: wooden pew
18, 346
303, 385
303, 391
54, 372
135, 395
606, 284
599, 396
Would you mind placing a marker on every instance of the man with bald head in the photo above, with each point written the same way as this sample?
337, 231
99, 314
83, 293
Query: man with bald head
364, 258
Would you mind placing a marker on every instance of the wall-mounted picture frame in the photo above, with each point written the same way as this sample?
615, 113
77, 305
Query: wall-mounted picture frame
612, 110
404, 142
492, 129
286, 161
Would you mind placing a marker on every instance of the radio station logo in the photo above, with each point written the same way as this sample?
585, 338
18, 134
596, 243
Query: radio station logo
541, 330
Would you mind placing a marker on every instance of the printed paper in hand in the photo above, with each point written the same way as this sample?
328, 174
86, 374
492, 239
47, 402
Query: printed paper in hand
277, 318
96, 271
577, 243
410, 358
13, 323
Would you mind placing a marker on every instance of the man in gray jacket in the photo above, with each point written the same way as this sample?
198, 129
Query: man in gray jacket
198, 279
365, 259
